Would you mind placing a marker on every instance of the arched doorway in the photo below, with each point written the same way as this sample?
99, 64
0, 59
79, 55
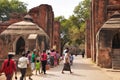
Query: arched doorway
20, 46
116, 41
116, 51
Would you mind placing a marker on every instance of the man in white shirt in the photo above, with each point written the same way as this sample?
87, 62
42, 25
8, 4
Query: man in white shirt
22, 65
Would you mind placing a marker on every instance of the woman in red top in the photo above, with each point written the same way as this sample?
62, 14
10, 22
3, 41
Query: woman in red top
9, 67
44, 61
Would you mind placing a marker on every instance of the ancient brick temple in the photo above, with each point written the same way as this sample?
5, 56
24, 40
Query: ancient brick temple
15, 17
23, 36
103, 39
43, 16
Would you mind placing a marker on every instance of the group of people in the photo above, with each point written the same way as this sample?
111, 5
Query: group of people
28, 62
32, 61
53, 58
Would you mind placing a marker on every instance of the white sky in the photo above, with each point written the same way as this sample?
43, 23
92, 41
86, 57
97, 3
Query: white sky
60, 7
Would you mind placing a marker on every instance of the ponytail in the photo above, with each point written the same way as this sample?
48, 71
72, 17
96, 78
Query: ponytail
9, 57
8, 62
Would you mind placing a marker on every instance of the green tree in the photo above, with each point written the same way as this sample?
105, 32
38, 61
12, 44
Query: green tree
73, 29
65, 25
82, 11
81, 14
76, 31
10, 6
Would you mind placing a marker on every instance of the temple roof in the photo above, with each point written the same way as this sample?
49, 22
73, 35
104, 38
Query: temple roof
113, 22
24, 27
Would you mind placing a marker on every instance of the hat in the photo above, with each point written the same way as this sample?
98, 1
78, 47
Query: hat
35, 50
23, 53
11, 53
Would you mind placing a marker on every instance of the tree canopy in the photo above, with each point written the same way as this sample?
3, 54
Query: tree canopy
82, 11
10, 6
73, 28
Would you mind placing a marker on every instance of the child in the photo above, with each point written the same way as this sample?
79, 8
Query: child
37, 66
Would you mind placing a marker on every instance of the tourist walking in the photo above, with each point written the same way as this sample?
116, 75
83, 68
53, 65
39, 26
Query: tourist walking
66, 63
22, 65
44, 61
52, 58
9, 67
83, 53
29, 70
33, 58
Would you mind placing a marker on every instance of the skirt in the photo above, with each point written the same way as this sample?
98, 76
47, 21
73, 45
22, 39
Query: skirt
52, 60
29, 71
66, 67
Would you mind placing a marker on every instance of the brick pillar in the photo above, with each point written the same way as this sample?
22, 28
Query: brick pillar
56, 36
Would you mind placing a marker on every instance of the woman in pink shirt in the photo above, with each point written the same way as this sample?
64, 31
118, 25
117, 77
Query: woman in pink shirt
53, 57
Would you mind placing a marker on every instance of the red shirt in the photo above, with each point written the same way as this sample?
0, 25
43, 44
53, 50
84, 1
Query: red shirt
43, 56
9, 69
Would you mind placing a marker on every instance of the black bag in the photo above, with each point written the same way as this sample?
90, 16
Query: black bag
66, 67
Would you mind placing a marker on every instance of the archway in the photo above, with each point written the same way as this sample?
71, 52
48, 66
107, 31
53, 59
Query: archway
116, 41
20, 46
116, 51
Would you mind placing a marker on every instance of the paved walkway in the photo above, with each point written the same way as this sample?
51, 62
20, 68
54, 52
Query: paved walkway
83, 69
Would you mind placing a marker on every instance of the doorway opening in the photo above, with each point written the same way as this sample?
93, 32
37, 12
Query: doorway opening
116, 51
20, 46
